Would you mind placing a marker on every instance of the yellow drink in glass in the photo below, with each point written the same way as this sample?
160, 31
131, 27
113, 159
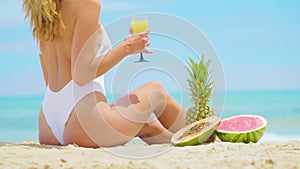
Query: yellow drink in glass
139, 26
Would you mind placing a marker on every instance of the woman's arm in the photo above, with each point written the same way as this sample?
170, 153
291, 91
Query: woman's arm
132, 44
86, 41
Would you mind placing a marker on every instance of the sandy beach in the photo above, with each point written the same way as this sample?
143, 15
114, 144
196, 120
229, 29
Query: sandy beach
283, 155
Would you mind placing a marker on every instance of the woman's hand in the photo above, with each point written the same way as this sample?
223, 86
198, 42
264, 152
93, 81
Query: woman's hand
136, 43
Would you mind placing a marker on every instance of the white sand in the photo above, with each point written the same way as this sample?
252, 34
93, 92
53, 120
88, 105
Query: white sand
282, 155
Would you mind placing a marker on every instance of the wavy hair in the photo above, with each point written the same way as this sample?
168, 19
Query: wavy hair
45, 18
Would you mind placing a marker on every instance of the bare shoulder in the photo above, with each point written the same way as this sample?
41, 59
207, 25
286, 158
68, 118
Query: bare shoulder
81, 7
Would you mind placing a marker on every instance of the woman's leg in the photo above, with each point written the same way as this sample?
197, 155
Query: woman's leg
171, 115
120, 122
154, 133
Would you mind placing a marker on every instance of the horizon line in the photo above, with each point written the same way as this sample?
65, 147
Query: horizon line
228, 91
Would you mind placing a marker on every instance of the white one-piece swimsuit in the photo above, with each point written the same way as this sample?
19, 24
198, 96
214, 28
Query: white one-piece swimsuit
57, 106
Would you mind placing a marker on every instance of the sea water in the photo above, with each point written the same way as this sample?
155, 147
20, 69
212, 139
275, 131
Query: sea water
19, 115
281, 109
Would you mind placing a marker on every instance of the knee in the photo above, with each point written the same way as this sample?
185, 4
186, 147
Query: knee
155, 85
157, 93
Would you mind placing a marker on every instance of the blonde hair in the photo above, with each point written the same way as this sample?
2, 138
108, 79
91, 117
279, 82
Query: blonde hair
45, 18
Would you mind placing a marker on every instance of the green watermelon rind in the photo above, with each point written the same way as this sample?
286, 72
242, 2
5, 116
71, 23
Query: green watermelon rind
201, 138
243, 137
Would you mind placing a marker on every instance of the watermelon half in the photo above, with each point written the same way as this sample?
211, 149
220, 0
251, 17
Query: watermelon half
242, 128
196, 133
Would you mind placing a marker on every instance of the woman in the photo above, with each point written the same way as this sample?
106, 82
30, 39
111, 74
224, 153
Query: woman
74, 109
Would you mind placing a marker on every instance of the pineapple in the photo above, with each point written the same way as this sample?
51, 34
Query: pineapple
200, 86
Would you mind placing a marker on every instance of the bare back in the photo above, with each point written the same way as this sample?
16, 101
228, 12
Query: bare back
81, 20
56, 61
56, 54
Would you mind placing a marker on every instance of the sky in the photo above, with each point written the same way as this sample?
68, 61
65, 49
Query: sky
258, 42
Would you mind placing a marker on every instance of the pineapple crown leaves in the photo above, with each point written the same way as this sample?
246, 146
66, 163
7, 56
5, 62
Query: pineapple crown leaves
200, 82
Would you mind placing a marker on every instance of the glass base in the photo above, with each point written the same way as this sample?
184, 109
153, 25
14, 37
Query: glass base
141, 59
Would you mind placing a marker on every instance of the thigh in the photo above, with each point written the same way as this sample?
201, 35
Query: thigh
111, 125
46, 135
107, 125
148, 97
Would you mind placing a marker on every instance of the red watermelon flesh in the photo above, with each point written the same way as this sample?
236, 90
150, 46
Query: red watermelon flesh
241, 124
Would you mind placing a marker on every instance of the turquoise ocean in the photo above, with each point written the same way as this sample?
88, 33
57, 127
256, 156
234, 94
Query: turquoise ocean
18, 115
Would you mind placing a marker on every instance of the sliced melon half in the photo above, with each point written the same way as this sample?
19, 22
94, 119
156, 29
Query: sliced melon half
196, 133
242, 128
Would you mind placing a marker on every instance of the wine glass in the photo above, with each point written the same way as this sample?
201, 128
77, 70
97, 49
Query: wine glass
139, 24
